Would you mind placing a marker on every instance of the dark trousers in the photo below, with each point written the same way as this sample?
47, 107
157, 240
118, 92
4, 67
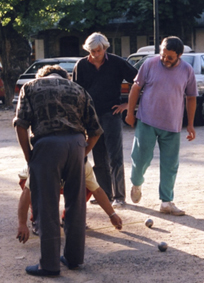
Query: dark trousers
108, 157
54, 158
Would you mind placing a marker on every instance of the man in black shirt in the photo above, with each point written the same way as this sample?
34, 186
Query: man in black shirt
101, 74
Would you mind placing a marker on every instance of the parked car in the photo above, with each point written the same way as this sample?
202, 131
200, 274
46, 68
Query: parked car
65, 62
2, 89
196, 60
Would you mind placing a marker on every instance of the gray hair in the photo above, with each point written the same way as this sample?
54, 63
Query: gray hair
50, 69
94, 40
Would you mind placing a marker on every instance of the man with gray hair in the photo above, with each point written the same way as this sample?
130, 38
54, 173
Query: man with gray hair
61, 115
101, 74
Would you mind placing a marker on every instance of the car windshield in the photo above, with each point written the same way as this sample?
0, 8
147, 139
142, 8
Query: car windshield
134, 59
188, 58
68, 66
138, 64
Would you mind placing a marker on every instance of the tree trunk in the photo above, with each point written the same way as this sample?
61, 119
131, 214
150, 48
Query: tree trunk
15, 57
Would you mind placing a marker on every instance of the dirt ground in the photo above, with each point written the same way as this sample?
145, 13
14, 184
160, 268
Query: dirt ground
131, 255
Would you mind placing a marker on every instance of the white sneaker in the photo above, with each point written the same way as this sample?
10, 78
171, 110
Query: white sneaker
136, 193
170, 208
118, 203
24, 173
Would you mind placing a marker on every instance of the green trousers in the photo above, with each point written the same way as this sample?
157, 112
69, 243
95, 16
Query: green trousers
142, 153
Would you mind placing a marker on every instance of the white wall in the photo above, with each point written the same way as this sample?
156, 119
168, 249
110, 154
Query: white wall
199, 43
125, 46
39, 49
141, 41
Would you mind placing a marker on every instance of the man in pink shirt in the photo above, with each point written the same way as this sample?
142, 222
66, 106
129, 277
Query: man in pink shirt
165, 80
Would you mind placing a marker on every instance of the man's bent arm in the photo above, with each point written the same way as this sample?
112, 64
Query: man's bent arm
104, 202
190, 108
23, 206
23, 139
91, 141
132, 102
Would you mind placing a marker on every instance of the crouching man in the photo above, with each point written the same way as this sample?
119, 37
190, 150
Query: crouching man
60, 114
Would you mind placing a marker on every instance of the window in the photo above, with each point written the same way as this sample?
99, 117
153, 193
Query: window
115, 46
134, 59
151, 40
189, 59
110, 49
202, 65
118, 46
67, 65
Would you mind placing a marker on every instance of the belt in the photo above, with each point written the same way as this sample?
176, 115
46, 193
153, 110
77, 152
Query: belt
56, 133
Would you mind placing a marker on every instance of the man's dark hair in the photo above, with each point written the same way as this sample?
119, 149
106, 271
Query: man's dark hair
50, 69
173, 43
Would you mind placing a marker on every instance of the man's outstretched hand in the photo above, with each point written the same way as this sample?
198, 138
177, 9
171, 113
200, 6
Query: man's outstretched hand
23, 233
116, 221
191, 133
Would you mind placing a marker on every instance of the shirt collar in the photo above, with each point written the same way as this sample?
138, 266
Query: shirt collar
106, 57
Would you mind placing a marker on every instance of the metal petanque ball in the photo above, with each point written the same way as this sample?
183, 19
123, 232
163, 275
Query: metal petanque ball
162, 246
149, 223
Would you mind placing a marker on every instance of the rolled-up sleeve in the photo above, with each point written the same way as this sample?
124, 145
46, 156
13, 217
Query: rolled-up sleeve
24, 112
92, 124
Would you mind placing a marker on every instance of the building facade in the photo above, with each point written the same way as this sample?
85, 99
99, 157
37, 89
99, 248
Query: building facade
123, 37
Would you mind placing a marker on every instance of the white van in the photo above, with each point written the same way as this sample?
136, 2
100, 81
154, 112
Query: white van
151, 48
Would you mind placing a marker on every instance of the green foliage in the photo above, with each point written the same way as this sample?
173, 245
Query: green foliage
93, 13
31, 16
174, 15
177, 16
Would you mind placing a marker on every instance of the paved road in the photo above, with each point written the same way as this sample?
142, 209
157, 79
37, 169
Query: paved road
111, 256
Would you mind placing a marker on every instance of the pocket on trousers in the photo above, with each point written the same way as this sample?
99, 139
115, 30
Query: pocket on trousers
82, 143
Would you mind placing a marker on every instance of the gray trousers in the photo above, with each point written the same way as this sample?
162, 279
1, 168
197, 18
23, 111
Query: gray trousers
57, 157
108, 157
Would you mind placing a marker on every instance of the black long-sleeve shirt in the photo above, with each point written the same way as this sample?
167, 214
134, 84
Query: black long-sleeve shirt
104, 84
